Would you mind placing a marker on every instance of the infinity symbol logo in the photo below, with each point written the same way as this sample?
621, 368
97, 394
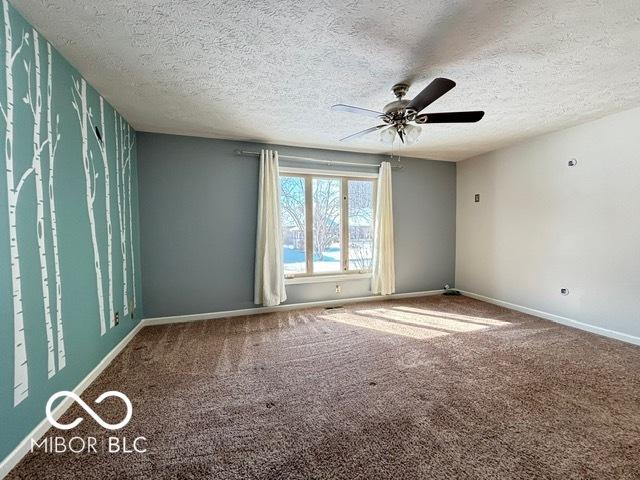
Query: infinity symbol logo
89, 410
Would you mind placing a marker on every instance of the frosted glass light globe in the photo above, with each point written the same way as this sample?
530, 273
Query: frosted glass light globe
412, 133
388, 135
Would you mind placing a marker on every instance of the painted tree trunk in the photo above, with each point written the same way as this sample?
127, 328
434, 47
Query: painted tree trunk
39, 180
123, 232
132, 257
107, 185
90, 186
20, 374
121, 213
62, 361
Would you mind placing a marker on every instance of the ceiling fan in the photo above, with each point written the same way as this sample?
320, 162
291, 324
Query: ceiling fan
402, 117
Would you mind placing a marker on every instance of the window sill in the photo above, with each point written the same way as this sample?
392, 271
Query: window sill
339, 277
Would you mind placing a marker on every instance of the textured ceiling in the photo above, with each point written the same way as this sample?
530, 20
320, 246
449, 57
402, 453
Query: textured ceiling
269, 70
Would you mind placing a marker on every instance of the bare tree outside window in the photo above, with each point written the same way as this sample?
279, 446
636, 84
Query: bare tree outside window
360, 224
292, 199
326, 224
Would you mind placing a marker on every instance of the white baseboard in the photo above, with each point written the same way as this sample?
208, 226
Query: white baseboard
24, 446
294, 306
426, 293
625, 337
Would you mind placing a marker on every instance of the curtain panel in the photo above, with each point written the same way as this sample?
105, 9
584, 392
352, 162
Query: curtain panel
383, 280
269, 286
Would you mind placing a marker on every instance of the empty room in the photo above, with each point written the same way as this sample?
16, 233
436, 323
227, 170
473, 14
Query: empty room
320, 239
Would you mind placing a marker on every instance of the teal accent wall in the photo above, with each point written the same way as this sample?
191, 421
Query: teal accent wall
33, 365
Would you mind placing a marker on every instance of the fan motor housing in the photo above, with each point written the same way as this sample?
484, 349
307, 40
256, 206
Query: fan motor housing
395, 106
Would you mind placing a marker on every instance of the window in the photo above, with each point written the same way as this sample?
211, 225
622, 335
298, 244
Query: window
327, 222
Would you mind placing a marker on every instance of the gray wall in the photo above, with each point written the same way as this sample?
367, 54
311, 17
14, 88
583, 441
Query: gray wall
198, 209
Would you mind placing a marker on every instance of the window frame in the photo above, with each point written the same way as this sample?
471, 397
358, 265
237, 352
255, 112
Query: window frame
345, 176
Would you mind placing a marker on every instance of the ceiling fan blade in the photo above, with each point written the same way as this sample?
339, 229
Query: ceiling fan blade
341, 107
449, 117
363, 132
430, 94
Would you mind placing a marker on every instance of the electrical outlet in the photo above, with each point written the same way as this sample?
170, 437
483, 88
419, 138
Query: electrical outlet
116, 319
477, 198
564, 291
338, 288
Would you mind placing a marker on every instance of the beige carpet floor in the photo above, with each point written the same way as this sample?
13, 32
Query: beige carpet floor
425, 388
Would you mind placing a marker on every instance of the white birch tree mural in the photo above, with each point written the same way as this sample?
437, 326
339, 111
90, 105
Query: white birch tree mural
21, 375
130, 145
79, 103
119, 139
53, 146
101, 139
35, 160
33, 99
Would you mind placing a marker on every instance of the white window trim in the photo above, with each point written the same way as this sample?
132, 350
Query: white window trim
326, 278
307, 174
326, 173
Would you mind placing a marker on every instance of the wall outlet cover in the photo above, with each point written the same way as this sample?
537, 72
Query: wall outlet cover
477, 198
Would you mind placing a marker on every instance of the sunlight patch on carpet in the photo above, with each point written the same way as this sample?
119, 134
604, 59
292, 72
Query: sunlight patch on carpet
452, 316
383, 325
449, 325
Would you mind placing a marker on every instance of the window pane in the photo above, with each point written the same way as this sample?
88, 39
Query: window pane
293, 224
360, 224
326, 225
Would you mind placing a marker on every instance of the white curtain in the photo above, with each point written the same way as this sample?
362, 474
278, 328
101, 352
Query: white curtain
383, 280
269, 272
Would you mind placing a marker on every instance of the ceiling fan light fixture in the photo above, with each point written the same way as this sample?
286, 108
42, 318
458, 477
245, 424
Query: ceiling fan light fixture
388, 135
412, 133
